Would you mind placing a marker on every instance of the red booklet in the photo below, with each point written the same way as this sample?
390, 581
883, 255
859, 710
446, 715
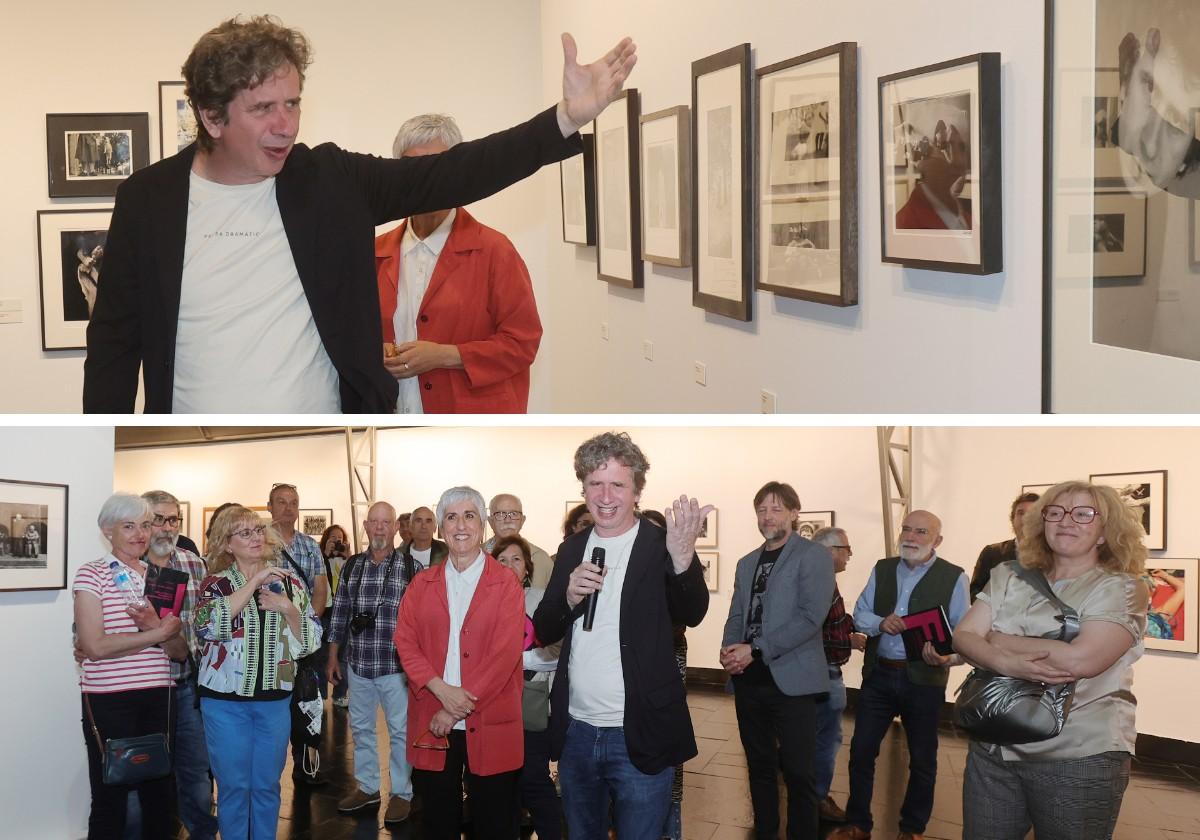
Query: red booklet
165, 589
927, 626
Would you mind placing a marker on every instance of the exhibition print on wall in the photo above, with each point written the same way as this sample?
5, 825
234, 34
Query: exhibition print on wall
1171, 618
618, 210
70, 262
577, 182
940, 179
710, 562
722, 257
808, 522
666, 187
314, 521
808, 176
176, 120
33, 535
1146, 494
263, 514
90, 154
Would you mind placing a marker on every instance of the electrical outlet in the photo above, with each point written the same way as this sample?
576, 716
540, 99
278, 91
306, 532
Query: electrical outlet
767, 400
648, 350
604, 330
698, 372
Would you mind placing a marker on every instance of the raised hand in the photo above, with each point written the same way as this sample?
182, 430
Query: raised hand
684, 518
588, 88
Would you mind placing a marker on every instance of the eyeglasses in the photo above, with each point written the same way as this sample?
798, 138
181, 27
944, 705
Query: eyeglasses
507, 515
250, 533
1083, 514
159, 519
438, 742
920, 532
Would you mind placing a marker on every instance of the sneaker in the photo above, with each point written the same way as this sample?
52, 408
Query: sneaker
397, 810
357, 801
341, 702
831, 812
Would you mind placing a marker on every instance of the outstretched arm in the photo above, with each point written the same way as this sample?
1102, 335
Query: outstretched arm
588, 88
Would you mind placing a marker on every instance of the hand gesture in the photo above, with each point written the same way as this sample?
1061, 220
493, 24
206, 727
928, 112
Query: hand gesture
893, 625
457, 701
265, 575
684, 518
932, 657
1033, 666
416, 357
146, 617
587, 89
441, 724
736, 658
273, 601
585, 579
170, 626
333, 671
858, 641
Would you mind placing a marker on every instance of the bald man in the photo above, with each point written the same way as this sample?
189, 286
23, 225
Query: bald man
507, 517
364, 617
893, 685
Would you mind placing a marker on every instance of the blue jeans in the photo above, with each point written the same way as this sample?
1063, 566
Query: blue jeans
247, 743
886, 693
595, 767
829, 732
391, 692
191, 766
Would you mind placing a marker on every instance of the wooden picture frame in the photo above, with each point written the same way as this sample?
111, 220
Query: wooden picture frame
1145, 492
723, 184
70, 262
577, 193
939, 149
33, 535
1171, 619
176, 120
666, 138
806, 221
618, 187
91, 154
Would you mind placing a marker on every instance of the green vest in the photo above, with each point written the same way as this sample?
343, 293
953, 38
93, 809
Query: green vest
933, 590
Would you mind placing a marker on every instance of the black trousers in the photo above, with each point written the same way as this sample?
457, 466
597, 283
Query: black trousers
124, 714
779, 732
494, 810
537, 788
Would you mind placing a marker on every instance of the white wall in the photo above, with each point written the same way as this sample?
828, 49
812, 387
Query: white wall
44, 786
376, 64
978, 336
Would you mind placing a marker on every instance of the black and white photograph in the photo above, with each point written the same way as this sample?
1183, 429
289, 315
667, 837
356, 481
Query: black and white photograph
808, 522
615, 192
577, 182
1171, 617
1114, 233
314, 522
1146, 494
71, 261
723, 219
618, 192
661, 185
91, 154
942, 209
185, 519
666, 187
33, 535
707, 538
176, 119
808, 176
710, 562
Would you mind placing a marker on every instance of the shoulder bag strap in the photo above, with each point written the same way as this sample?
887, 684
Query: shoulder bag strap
299, 571
1036, 579
87, 704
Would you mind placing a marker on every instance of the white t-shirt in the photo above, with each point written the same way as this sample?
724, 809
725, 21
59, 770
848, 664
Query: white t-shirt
460, 589
597, 681
418, 259
246, 340
422, 557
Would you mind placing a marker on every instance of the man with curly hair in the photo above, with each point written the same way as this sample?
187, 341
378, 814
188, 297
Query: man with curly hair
239, 273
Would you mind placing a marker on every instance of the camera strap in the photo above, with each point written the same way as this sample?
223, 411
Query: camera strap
391, 561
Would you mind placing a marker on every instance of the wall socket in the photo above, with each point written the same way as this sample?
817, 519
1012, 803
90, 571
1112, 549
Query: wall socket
604, 330
698, 372
767, 402
648, 350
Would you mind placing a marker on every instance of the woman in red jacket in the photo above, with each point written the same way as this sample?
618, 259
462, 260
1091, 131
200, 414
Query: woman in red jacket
460, 634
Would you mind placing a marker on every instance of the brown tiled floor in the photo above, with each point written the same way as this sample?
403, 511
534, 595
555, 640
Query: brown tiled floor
1162, 802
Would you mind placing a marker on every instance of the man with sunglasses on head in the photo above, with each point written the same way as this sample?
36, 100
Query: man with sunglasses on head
915, 581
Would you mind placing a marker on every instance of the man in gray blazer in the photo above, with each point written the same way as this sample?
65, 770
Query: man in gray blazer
773, 653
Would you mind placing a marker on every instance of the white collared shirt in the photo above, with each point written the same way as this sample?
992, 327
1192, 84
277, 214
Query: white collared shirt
460, 589
418, 258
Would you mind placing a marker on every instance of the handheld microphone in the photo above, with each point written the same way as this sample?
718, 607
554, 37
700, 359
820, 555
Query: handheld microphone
589, 604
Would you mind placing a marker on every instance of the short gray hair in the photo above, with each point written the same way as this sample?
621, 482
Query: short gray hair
122, 507
425, 129
160, 497
460, 494
829, 535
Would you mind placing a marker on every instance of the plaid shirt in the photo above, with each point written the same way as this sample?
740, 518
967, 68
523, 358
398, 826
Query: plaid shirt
307, 554
371, 653
835, 632
184, 561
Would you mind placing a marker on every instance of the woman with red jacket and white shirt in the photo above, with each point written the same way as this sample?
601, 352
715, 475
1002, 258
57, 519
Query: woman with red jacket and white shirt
460, 635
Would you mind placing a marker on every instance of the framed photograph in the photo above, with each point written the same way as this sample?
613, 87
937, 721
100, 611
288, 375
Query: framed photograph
1171, 619
1040, 489
941, 209
577, 185
185, 519
707, 538
618, 184
207, 515
90, 154
1146, 493
1118, 234
70, 259
33, 535
808, 522
176, 120
666, 139
807, 165
314, 521
723, 184
710, 562
1194, 218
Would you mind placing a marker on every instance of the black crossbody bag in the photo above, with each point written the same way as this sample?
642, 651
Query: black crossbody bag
131, 761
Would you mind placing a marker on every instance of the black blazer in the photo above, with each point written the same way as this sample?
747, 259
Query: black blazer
991, 557
658, 727
330, 201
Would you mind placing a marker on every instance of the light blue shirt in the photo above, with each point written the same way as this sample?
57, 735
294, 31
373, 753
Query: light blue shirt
865, 620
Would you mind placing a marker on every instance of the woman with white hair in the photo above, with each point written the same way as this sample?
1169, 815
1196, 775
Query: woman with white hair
126, 677
460, 635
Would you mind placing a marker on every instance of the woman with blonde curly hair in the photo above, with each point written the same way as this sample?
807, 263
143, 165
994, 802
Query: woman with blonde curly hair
1088, 544
255, 621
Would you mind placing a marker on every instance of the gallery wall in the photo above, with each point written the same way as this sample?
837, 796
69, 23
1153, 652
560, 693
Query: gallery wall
968, 476
48, 795
375, 66
918, 341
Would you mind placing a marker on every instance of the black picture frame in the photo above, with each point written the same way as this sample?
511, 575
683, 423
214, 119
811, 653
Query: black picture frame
43, 507
675, 124
802, 193
577, 194
1144, 490
739, 214
67, 261
74, 149
616, 132
940, 253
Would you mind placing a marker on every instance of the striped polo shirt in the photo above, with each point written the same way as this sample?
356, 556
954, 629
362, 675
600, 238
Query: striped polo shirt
149, 668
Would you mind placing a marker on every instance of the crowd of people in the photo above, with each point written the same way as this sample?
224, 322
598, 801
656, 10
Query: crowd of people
490, 659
